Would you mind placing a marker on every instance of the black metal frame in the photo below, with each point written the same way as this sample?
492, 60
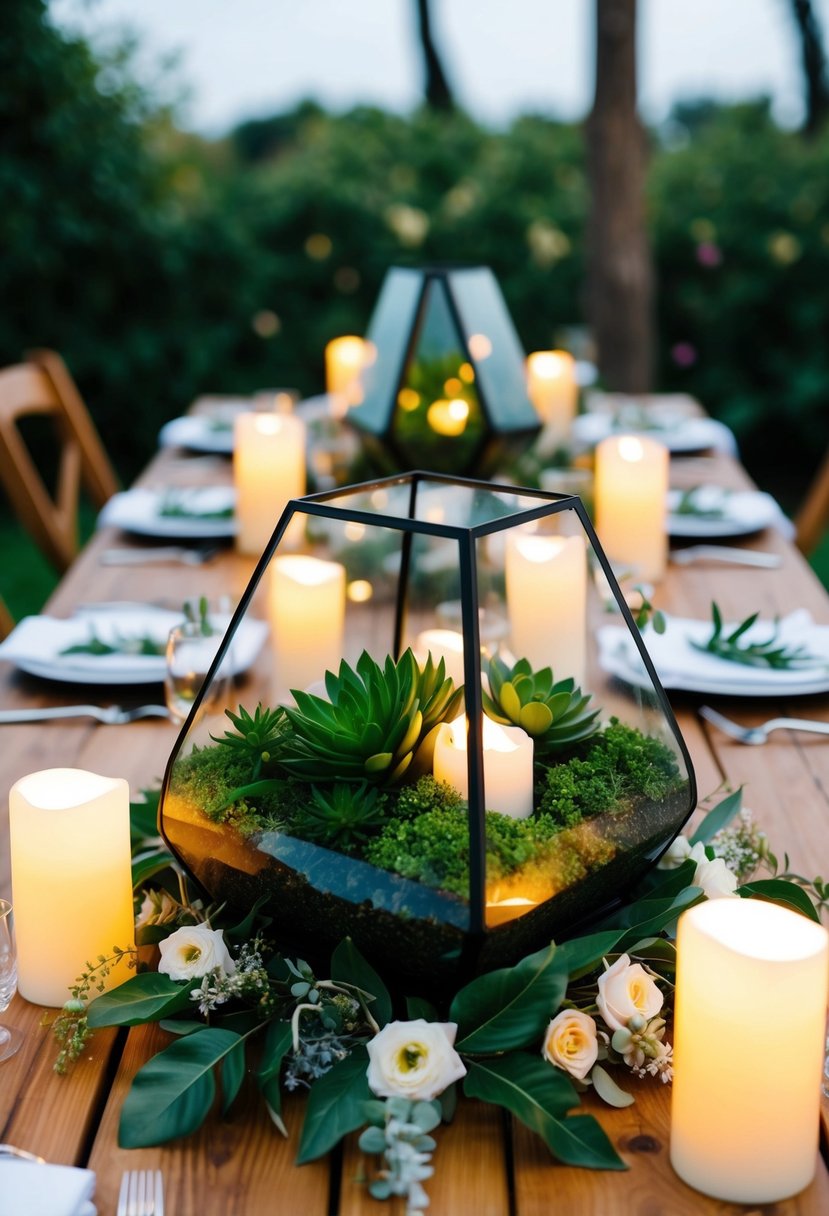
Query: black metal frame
466, 536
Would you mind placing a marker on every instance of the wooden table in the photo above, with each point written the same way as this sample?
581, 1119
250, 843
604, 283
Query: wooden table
487, 1165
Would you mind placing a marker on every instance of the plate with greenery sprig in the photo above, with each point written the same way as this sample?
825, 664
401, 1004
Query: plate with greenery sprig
709, 512
748, 657
182, 513
112, 645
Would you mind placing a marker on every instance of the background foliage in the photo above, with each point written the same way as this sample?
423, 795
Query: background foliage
161, 265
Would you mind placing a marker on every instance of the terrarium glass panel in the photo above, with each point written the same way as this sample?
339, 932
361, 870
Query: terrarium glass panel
441, 769
444, 387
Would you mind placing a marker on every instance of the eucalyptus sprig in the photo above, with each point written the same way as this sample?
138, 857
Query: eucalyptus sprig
71, 1028
734, 647
646, 614
137, 645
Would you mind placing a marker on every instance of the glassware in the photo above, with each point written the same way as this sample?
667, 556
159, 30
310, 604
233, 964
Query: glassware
10, 1039
191, 649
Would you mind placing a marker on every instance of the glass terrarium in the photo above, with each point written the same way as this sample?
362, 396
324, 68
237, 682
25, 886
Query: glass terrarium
444, 387
434, 757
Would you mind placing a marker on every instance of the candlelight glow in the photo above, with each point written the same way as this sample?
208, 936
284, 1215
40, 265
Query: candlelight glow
408, 399
630, 448
480, 347
448, 417
359, 591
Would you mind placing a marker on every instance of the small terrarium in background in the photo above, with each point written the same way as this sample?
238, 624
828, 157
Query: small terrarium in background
442, 769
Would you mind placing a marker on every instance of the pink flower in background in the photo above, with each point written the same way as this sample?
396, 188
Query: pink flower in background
709, 254
684, 354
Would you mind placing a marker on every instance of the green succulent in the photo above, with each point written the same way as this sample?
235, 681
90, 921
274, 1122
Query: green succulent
343, 816
374, 722
255, 738
555, 713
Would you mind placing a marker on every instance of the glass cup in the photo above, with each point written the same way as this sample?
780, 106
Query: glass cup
191, 649
10, 1039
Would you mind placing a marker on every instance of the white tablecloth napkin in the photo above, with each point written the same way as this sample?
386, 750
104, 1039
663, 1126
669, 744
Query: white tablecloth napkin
29, 1189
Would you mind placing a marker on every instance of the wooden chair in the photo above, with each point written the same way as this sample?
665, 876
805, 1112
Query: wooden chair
813, 515
6, 620
43, 386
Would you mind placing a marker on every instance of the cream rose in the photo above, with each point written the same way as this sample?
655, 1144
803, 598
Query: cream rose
571, 1043
194, 951
715, 878
414, 1060
625, 990
678, 850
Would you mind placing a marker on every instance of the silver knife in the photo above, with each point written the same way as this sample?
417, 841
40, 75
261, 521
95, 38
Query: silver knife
111, 715
721, 553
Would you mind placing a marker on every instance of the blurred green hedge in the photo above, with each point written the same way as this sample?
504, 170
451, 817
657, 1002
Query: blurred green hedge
162, 266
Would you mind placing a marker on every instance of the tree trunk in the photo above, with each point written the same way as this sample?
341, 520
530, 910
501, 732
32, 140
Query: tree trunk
814, 65
620, 279
437, 92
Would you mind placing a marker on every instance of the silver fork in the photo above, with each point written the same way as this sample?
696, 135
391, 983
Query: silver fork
760, 734
141, 1193
110, 715
721, 553
167, 553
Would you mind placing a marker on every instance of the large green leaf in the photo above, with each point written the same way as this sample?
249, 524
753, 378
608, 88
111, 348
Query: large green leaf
172, 1094
509, 1008
780, 891
277, 1045
649, 916
233, 1074
540, 1095
144, 817
583, 954
142, 998
335, 1106
145, 865
719, 817
349, 967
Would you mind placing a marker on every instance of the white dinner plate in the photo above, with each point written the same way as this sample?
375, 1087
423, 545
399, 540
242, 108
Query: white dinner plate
680, 435
200, 433
36, 643
141, 511
682, 667
740, 513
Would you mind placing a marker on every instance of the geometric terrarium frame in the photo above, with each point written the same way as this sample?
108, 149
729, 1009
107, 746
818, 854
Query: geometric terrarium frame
444, 386
443, 770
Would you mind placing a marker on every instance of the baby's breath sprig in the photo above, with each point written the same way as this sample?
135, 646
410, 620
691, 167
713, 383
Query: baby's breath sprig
70, 1027
769, 653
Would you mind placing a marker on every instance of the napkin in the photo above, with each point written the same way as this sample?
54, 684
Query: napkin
141, 509
680, 665
29, 1189
196, 431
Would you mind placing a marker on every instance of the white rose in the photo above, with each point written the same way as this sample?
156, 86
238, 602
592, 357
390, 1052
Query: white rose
626, 990
570, 1042
414, 1060
194, 951
678, 850
714, 877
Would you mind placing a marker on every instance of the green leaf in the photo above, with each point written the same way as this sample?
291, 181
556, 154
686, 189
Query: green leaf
540, 1095
147, 864
348, 966
417, 1007
144, 817
719, 817
372, 1140
335, 1106
142, 998
243, 931
233, 1074
509, 1008
779, 891
649, 916
276, 1046
583, 954
535, 718
608, 1090
172, 1094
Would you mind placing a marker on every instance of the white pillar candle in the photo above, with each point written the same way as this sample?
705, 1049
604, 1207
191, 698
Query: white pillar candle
508, 765
71, 878
553, 389
345, 359
307, 611
268, 470
446, 644
749, 1030
631, 489
547, 602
